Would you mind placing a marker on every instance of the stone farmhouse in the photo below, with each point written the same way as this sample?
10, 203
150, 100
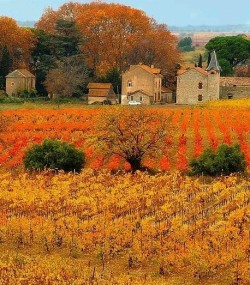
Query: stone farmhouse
196, 85
141, 83
101, 93
20, 80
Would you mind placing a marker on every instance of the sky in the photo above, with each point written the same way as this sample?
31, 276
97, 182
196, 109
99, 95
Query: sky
170, 12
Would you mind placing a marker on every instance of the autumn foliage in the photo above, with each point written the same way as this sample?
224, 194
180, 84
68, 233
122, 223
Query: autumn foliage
193, 130
19, 41
116, 35
123, 229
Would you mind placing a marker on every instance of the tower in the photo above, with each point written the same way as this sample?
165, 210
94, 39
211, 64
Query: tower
213, 84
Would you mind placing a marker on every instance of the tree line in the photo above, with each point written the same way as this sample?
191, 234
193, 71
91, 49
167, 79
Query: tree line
81, 41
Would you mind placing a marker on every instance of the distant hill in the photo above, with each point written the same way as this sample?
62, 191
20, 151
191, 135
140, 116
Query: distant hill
182, 29
205, 28
29, 24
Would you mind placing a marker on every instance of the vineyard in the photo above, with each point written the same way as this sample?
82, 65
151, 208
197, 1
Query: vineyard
108, 227
123, 229
193, 129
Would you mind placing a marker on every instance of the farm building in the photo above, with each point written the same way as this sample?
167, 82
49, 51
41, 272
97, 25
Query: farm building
234, 87
196, 85
101, 93
20, 80
141, 81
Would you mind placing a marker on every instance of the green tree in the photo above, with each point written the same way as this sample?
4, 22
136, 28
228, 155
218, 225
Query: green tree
226, 160
5, 65
53, 48
200, 61
226, 67
113, 76
185, 44
234, 49
54, 154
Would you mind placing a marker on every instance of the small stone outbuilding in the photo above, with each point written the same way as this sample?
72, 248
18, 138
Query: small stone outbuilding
141, 96
20, 80
101, 93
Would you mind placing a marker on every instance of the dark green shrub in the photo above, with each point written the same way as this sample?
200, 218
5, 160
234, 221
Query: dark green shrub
226, 160
54, 154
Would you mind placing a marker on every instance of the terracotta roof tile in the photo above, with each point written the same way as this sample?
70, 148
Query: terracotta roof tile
153, 70
99, 85
141, 91
20, 73
98, 93
238, 81
202, 71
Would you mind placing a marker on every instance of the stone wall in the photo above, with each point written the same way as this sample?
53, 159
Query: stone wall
15, 85
234, 92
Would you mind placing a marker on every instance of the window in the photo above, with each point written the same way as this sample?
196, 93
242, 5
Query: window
12, 83
132, 98
200, 98
140, 98
129, 83
200, 85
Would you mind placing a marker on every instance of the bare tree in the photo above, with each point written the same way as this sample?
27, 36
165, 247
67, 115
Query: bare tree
68, 78
132, 133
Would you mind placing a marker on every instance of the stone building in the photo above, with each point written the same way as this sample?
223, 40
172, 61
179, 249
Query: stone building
196, 85
141, 83
234, 87
101, 93
20, 80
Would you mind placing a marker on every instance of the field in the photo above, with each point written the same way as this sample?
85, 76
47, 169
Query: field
124, 229
190, 58
192, 130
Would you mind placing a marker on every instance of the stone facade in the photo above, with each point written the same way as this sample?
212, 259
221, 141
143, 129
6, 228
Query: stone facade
234, 87
18, 81
143, 78
141, 96
196, 85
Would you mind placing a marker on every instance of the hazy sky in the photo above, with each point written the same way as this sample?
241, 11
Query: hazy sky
170, 12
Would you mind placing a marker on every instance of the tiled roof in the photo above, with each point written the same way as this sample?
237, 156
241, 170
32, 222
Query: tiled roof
98, 93
182, 71
152, 70
99, 86
232, 81
141, 91
20, 73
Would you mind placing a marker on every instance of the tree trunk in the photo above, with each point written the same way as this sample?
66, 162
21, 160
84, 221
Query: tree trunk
135, 163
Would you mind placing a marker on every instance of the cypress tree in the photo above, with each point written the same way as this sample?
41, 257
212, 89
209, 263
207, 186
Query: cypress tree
200, 61
5, 63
